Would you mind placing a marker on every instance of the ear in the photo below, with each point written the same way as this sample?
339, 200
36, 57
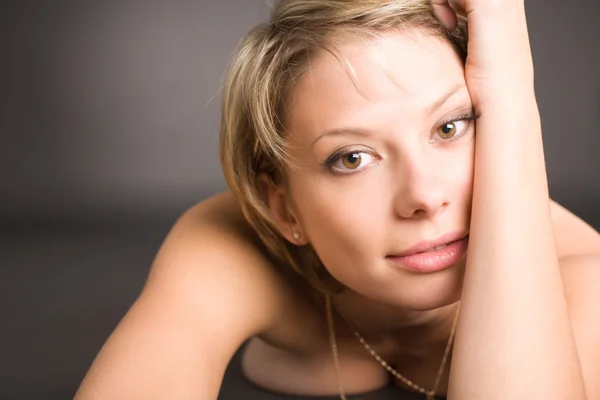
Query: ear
278, 203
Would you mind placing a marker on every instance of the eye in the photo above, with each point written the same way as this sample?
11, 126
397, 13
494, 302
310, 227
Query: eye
352, 160
349, 162
451, 129
455, 128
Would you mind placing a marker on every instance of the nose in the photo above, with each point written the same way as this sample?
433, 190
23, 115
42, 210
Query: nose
422, 192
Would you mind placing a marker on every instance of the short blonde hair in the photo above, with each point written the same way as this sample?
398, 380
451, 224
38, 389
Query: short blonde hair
268, 61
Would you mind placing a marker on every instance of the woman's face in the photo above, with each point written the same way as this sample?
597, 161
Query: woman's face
378, 169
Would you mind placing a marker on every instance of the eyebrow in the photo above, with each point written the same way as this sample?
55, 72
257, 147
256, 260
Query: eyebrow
362, 132
436, 106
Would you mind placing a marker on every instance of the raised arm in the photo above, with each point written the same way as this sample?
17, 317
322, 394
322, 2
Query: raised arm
208, 291
514, 339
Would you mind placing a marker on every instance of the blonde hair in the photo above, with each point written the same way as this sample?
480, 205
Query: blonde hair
267, 63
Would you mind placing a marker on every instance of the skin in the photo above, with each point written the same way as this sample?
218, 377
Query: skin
408, 183
412, 185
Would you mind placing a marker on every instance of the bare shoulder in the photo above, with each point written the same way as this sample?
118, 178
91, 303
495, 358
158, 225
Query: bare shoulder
213, 238
210, 288
213, 241
581, 280
578, 247
573, 235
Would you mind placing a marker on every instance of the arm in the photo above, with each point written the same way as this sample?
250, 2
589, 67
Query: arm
208, 291
514, 339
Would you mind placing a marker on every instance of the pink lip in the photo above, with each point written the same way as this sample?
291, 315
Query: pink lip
418, 259
430, 244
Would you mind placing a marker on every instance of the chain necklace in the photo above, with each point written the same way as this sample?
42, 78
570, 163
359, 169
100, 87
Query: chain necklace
336, 362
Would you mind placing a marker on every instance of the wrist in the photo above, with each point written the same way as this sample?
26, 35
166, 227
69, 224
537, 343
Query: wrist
500, 10
518, 98
519, 114
500, 38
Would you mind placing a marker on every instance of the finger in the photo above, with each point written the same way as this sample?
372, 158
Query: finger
445, 14
458, 7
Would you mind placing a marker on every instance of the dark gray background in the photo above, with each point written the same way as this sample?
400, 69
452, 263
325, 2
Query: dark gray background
109, 114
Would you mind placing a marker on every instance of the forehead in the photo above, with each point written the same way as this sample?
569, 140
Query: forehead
406, 71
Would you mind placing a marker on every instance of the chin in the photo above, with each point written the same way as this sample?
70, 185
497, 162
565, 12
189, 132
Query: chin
423, 292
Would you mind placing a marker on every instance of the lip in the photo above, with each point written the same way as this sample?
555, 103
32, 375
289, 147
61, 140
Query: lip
417, 259
430, 244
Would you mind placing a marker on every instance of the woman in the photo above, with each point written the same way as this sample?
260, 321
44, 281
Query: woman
368, 237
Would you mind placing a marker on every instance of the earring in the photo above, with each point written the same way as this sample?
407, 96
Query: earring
296, 235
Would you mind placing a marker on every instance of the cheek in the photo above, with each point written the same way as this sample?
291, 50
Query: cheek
462, 171
467, 171
458, 165
348, 211
459, 179
342, 217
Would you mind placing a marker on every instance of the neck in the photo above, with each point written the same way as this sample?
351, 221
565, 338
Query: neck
375, 321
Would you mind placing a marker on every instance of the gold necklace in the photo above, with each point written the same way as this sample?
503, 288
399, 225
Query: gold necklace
336, 362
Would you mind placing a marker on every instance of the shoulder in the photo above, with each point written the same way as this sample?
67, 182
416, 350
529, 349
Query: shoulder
573, 236
216, 233
209, 289
578, 248
581, 281
213, 254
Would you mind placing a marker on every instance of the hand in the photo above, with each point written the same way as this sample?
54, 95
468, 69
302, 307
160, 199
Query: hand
499, 62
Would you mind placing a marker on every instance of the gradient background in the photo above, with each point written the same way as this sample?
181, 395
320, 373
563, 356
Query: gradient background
109, 113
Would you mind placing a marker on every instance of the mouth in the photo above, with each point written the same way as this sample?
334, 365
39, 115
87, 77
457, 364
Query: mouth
430, 256
429, 246
436, 248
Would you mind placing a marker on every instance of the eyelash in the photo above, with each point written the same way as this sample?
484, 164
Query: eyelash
335, 157
470, 118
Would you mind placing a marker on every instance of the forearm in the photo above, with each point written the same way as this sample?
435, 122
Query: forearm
514, 338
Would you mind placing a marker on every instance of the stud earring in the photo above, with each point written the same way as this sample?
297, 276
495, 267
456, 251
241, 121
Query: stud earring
296, 235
